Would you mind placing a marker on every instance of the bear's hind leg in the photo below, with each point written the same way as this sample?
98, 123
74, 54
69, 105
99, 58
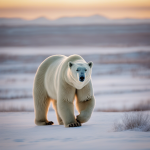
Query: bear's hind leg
41, 109
60, 122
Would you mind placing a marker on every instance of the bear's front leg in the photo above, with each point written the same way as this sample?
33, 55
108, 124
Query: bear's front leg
65, 98
85, 108
66, 112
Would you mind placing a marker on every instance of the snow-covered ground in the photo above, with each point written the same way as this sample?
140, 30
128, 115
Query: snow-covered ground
68, 50
18, 132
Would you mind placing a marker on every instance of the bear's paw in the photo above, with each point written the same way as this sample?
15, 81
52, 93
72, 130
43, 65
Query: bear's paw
76, 124
50, 123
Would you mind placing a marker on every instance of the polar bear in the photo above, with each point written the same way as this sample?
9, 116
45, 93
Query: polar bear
60, 79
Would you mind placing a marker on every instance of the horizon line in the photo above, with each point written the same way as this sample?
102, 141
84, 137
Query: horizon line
74, 17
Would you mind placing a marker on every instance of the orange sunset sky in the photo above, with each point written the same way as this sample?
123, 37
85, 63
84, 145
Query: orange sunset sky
53, 9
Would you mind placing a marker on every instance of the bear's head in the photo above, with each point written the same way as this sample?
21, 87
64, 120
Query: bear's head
79, 73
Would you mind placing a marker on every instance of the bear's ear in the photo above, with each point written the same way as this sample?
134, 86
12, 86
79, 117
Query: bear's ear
90, 64
70, 64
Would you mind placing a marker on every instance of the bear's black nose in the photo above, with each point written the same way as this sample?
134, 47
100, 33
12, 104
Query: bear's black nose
81, 78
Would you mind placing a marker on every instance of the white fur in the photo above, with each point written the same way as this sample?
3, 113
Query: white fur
56, 81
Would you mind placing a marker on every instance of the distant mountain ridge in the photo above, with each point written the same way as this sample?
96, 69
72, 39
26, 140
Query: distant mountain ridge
91, 20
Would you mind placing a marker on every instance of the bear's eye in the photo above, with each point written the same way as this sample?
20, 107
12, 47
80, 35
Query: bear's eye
77, 70
85, 69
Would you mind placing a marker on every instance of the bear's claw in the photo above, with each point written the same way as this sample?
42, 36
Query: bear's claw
78, 121
50, 123
77, 124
